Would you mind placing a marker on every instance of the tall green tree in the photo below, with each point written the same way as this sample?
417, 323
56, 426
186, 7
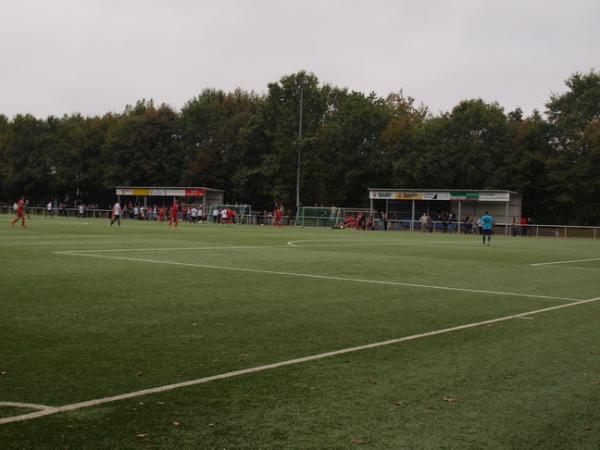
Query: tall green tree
27, 168
467, 148
272, 136
573, 117
354, 157
211, 125
143, 147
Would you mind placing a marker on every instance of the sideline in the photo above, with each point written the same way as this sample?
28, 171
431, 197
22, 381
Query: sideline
236, 373
320, 277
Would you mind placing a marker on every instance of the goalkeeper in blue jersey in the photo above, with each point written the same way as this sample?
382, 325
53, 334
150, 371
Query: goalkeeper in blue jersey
487, 224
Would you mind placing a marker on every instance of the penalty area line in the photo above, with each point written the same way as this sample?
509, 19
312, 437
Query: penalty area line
237, 373
323, 277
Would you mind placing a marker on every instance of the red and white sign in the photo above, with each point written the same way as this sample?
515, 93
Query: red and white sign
194, 192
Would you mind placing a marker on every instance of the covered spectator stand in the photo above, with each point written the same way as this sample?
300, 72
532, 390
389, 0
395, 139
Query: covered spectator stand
410, 204
164, 196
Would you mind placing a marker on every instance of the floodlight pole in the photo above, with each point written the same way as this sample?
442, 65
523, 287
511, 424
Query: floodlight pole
301, 86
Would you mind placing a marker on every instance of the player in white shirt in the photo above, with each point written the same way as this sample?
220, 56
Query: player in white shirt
116, 217
49, 209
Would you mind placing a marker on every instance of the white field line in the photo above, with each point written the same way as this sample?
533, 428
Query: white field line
295, 243
322, 277
237, 373
551, 263
115, 250
373, 243
24, 405
58, 222
241, 247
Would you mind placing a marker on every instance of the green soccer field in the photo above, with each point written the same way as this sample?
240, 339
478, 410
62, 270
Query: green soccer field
473, 346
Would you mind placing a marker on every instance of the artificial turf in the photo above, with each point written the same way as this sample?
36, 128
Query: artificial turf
82, 326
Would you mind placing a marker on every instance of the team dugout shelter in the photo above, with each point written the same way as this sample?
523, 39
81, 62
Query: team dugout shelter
410, 204
164, 196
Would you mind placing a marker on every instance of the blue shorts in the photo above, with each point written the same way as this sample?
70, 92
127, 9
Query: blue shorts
487, 231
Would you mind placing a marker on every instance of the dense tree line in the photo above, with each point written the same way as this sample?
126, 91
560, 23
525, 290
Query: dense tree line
248, 144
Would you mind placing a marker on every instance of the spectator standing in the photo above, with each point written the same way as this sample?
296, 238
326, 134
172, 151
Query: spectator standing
523, 226
423, 222
384, 218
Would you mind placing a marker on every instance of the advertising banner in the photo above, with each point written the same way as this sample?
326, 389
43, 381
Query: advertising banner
464, 195
494, 197
194, 192
146, 192
441, 196
175, 192
408, 195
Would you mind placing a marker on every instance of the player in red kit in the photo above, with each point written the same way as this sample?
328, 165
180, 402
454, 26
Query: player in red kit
20, 212
161, 214
278, 217
174, 214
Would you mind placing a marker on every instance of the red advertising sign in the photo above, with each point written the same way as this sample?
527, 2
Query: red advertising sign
194, 192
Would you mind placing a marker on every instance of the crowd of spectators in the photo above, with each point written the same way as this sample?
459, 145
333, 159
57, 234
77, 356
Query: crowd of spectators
443, 221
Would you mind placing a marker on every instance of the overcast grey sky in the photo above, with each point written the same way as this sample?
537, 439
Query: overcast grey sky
95, 56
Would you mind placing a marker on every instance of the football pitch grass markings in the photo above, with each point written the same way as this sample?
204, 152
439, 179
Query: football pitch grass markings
23, 405
90, 254
554, 263
299, 243
166, 249
236, 373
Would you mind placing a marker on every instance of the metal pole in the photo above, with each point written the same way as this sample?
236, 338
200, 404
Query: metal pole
412, 219
506, 220
459, 216
299, 148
